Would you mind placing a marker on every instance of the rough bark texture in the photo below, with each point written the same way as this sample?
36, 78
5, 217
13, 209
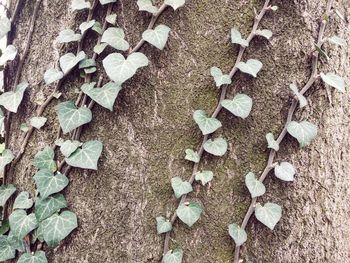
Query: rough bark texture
151, 126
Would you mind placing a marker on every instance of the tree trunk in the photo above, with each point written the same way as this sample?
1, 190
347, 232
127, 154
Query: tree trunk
151, 126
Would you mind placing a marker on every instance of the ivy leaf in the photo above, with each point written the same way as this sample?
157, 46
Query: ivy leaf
104, 96
44, 208
334, 81
5, 158
285, 171
6, 191
80, 4
163, 225
192, 156
68, 147
9, 54
4, 227
22, 224
180, 187
68, 35
337, 41
219, 77
175, 4
97, 27
206, 124
301, 98
251, 67
98, 49
69, 61
272, 144
240, 105
157, 37
120, 69
6, 250
5, 26
189, 213
147, 5
238, 234
16, 243
115, 38
112, 19
12, 99
71, 117
236, 38
173, 256
269, 214
217, 147
38, 122
87, 156
104, 2
86, 25
204, 176
264, 33
2, 147
303, 131
23, 201
58, 227
48, 183
45, 159
255, 187
37, 257
51, 75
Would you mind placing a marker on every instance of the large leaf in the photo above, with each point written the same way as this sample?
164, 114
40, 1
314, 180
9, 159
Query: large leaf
334, 81
173, 256
5, 26
52, 74
303, 131
269, 214
115, 37
157, 37
255, 187
87, 156
12, 99
80, 4
68, 35
206, 124
69, 61
189, 213
204, 176
6, 250
240, 105
6, 191
5, 158
238, 234
37, 122
192, 156
48, 183
147, 5
175, 3
44, 208
236, 38
219, 77
217, 147
44, 159
68, 147
37, 257
8, 54
285, 171
180, 187
22, 224
251, 67
23, 201
272, 143
163, 225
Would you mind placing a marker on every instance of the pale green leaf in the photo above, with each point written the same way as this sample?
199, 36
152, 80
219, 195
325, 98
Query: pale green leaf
163, 225
157, 37
52, 74
97, 27
204, 176
206, 124
8, 54
255, 187
68, 147
12, 99
38, 122
147, 5
112, 19
240, 105
6, 250
219, 77
303, 131
192, 156
264, 33
45, 159
44, 208
47, 183
217, 147
301, 98
272, 143
2, 147
68, 35
104, 2
5, 158
285, 171
173, 256
236, 38
16, 243
37, 257
23, 201
337, 40
251, 67
238, 234
98, 49
87, 63
334, 81
189, 213
5, 26
175, 4
6, 191
69, 61
180, 187
22, 224
115, 38
80, 4
86, 25
269, 214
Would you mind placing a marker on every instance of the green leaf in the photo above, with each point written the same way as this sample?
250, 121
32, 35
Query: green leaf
272, 144
173, 256
219, 77
115, 38
104, 2
301, 98
6, 191
255, 187
71, 117
163, 225
69, 61
337, 40
52, 74
269, 214
6, 250
12, 99
240, 105
192, 156
80, 4
37, 257
8, 55
217, 147
180, 187
175, 4
204, 176
112, 19
5, 26
58, 227
285, 171
45, 159
104, 96
22, 224
4, 227
189, 213
206, 124
236, 38
264, 33
303, 131
334, 81
238, 234
23, 201
68, 147
120, 69
47, 183
44, 208
87, 156
251, 67
2, 147
5, 158
87, 63
86, 25
68, 35
157, 37
147, 5
98, 49
38, 122
97, 28
16, 243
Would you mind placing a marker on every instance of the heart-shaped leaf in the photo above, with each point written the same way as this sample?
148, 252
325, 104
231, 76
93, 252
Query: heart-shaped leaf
301, 98
12, 99
157, 37
303, 131
80, 4
104, 2
87, 156
264, 33
6, 191
189, 213
6, 250
206, 124
23, 201
45, 159
115, 38
68, 147
240, 105
37, 122
334, 81
8, 54
251, 67
47, 183
5, 26
217, 147
52, 74
204, 176
104, 96
37, 257
112, 19
192, 156
97, 27
86, 25
22, 224
236, 38
69, 61
173, 256
337, 40
219, 77
269, 214
175, 4
5, 158
180, 187
238, 234
120, 69
272, 144
285, 171
44, 208
147, 5
163, 225
255, 187
68, 35
98, 49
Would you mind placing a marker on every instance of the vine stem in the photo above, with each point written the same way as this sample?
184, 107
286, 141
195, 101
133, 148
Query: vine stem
270, 162
216, 112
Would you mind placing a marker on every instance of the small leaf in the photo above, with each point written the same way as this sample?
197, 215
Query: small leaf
157, 37
80, 4
163, 225
38, 122
68, 35
303, 131
52, 74
8, 55
97, 28
264, 33
175, 4
236, 38
68, 147
173, 256
104, 2
5, 158
47, 183
220, 79
251, 67
115, 38
272, 144
189, 213
192, 156
255, 187
44, 208
23, 201
180, 187
6, 191
301, 98
334, 81
22, 224
5, 26
87, 63
204, 176
240, 105
86, 25
238, 234
217, 147
206, 124
12, 99
37, 257
69, 61
98, 49
112, 19
6, 250
45, 159
269, 214
337, 40
274, 8
147, 5
285, 171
